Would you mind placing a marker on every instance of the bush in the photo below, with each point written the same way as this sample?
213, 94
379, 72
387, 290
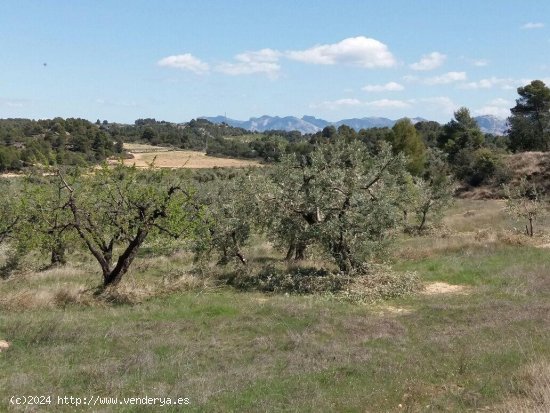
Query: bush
379, 283
479, 167
294, 280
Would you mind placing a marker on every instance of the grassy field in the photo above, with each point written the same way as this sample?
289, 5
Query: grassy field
484, 346
163, 157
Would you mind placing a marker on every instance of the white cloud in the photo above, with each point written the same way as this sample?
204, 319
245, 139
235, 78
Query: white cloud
356, 51
388, 103
336, 104
13, 103
388, 87
442, 104
500, 102
532, 25
498, 107
410, 78
446, 78
480, 62
429, 61
493, 110
264, 61
352, 102
126, 104
488, 83
185, 62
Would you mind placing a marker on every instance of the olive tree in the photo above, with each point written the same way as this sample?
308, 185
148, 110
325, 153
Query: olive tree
229, 216
433, 193
114, 210
9, 216
46, 225
342, 197
524, 201
10, 220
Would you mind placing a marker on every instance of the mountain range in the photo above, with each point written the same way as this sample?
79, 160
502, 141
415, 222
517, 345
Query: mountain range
311, 124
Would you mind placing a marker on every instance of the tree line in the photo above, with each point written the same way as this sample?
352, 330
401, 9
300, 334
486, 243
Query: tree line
26, 143
343, 199
476, 158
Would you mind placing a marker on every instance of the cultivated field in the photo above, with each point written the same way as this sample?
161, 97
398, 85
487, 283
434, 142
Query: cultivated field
163, 157
476, 339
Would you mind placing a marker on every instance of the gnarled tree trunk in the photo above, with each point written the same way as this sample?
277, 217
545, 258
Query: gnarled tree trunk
113, 277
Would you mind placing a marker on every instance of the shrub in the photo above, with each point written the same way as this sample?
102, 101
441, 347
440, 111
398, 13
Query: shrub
379, 283
289, 280
478, 167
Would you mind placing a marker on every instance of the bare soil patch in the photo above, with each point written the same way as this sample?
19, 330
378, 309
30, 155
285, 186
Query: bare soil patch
185, 159
444, 288
390, 309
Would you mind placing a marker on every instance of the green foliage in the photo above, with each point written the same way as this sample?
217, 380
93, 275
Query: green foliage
429, 131
11, 220
471, 161
530, 120
25, 142
114, 210
10, 159
229, 216
9, 209
433, 194
294, 280
341, 197
404, 138
374, 137
459, 135
46, 223
477, 167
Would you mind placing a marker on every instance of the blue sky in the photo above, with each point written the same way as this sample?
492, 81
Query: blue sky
176, 60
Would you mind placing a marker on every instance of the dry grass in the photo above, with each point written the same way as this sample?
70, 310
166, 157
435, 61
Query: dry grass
535, 166
151, 276
534, 390
472, 224
185, 159
44, 298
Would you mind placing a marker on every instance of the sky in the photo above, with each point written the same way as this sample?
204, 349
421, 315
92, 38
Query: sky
175, 60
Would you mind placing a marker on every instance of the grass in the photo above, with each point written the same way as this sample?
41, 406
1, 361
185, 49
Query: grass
487, 349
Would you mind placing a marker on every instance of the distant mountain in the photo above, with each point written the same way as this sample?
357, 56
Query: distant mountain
228, 121
366, 123
320, 123
307, 124
288, 123
311, 124
263, 123
492, 124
